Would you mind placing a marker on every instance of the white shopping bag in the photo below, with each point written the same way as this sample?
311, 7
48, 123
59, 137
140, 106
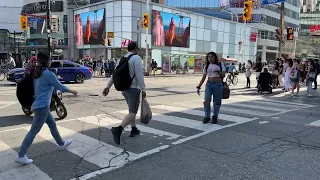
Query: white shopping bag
146, 113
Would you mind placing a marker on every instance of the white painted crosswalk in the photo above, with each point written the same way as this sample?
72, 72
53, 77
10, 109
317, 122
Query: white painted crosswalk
93, 144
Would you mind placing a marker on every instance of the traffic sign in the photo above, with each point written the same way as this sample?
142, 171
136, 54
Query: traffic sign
32, 19
264, 2
110, 34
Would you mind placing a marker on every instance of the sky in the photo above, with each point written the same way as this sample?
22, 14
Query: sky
10, 14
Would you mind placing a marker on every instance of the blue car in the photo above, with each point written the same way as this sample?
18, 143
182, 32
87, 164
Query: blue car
68, 71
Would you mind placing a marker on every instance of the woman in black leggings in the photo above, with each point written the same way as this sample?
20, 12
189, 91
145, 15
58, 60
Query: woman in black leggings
248, 73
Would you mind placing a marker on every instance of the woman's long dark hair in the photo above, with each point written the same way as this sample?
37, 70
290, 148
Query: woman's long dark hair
215, 59
312, 68
43, 61
290, 62
250, 62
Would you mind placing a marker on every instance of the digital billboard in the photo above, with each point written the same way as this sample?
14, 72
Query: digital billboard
90, 27
170, 29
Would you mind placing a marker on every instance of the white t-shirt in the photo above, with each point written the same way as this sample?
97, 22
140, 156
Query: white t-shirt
212, 68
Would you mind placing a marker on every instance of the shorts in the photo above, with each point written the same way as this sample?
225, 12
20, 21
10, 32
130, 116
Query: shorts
132, 97
295, 80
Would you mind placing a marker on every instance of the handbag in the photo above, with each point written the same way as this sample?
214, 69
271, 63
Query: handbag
225, 91
312, 76
146, 113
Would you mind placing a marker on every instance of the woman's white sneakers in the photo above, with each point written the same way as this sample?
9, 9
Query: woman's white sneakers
66, 144
25, 160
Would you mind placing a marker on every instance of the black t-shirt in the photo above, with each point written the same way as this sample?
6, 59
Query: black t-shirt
281, 69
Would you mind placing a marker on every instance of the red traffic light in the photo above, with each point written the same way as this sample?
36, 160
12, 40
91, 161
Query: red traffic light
24, 19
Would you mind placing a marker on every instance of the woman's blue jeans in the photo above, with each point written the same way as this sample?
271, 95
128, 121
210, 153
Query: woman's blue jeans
41, 116
214, 89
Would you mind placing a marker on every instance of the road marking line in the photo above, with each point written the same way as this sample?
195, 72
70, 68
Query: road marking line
102, 171
207, 132
255, 106
245, 111
107, 122
10, 170
90, 149
7, 103
315, 123
287, 106
225, 117
184, 122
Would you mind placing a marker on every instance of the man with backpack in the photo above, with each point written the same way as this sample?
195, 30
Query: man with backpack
317, 73
128, 78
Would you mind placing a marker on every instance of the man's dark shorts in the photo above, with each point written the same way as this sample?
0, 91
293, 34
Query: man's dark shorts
132, 96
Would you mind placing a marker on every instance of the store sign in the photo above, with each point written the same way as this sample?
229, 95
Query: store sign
125, 43
41, 7
315, 30
253, 37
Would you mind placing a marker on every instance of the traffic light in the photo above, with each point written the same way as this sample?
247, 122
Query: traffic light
145, 21
290, 33
278, 35
109, 42
247, 10
23, 23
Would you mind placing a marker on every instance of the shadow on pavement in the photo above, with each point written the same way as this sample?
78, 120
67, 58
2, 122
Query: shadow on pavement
14, 120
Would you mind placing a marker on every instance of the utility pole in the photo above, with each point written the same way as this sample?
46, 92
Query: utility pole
138, 31
49, 27
14, 42
147, 46
281, 29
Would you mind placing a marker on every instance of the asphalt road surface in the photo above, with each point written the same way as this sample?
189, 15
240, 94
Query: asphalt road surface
258, 136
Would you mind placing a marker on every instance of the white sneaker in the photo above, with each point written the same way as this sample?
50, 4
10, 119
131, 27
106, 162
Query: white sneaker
309, 95
24, 160
66, 144
292, 95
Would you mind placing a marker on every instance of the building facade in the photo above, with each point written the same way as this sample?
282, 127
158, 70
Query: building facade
175, 36
309, 43
36, 35
266, 18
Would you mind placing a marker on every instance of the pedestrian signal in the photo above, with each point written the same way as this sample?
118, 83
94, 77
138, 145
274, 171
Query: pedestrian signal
109, 42
247, 10
290, 33
23, 23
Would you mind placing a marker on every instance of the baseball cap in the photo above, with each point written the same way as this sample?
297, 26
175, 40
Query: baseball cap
132, 45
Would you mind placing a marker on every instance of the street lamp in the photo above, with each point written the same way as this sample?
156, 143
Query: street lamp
49, 25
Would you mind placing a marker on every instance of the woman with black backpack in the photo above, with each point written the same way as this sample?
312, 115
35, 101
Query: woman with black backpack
44, 82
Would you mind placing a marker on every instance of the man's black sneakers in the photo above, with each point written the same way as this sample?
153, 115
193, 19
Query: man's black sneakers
116, 132
134, 132
205, 120
214, 119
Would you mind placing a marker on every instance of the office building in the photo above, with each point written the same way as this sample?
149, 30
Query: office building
266, 18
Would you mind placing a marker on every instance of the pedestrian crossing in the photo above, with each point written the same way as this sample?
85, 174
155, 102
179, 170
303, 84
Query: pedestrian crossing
94, 152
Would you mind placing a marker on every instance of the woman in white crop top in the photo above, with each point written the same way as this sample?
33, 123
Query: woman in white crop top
248, 72
215, 71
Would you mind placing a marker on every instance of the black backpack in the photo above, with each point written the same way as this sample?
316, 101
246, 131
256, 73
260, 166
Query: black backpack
25, 90
121, 75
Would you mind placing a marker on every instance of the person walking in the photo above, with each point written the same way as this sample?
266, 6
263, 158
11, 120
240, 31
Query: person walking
215, 71
248, 73
131, 94
311, 75
317, 68
44, 83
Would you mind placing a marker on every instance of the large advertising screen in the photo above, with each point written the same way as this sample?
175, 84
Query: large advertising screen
170, 29
90, 27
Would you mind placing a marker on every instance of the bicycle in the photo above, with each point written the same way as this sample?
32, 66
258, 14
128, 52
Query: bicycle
232, 79
4, 72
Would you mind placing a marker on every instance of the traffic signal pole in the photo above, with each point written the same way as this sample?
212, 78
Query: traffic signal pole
147, 46
281, 29
49, 27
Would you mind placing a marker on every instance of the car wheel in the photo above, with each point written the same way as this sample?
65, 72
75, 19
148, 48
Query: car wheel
79, 78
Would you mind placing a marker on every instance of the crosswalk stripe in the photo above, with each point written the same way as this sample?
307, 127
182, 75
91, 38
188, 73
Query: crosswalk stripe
236, 119
10, 170
245, 111
255, 106
280, 105
107, 122
90, 149
184, 122
315, 123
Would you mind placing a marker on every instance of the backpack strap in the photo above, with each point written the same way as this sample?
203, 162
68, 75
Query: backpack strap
128, 58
